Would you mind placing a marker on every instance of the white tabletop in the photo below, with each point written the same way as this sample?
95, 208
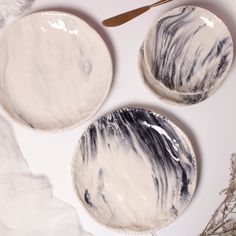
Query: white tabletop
211, 125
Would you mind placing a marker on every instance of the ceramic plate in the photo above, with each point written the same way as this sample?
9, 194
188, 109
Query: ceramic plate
134, 170
56, 71
188, 53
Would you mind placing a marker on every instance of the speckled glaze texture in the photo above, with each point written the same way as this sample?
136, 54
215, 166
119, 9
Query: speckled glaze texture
187, 54
55, 70
134, 170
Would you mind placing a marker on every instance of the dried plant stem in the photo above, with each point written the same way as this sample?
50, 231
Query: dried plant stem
223, 220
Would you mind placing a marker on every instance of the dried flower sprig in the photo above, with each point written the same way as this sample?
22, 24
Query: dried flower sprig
223, 221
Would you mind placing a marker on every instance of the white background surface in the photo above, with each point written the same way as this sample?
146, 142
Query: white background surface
211, 125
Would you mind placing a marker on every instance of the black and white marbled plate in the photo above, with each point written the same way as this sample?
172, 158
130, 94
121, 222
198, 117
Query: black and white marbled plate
55, 70
187, 54
134, 170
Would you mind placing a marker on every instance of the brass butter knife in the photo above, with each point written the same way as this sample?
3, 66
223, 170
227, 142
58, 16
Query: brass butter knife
127, 16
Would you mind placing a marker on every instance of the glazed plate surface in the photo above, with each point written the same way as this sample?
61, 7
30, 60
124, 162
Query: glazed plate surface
134, 170
56, 71
187, 53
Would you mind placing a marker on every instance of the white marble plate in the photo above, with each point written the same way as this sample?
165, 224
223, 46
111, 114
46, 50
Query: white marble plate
56, 71
188, 52
134, 170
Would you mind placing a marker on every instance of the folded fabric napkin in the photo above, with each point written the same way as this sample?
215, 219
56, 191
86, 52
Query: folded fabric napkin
27, 205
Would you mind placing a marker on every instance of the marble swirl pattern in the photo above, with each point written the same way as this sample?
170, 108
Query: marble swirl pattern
188, 51
134, 170
55, 70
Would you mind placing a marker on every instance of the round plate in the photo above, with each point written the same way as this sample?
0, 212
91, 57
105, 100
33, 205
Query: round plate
188, 52
56, 71
134, 170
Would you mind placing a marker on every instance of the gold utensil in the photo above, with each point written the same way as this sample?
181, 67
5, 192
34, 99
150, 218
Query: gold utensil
127, 16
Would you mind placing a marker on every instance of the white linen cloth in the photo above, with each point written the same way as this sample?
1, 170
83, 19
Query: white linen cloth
12, 8
27, 205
